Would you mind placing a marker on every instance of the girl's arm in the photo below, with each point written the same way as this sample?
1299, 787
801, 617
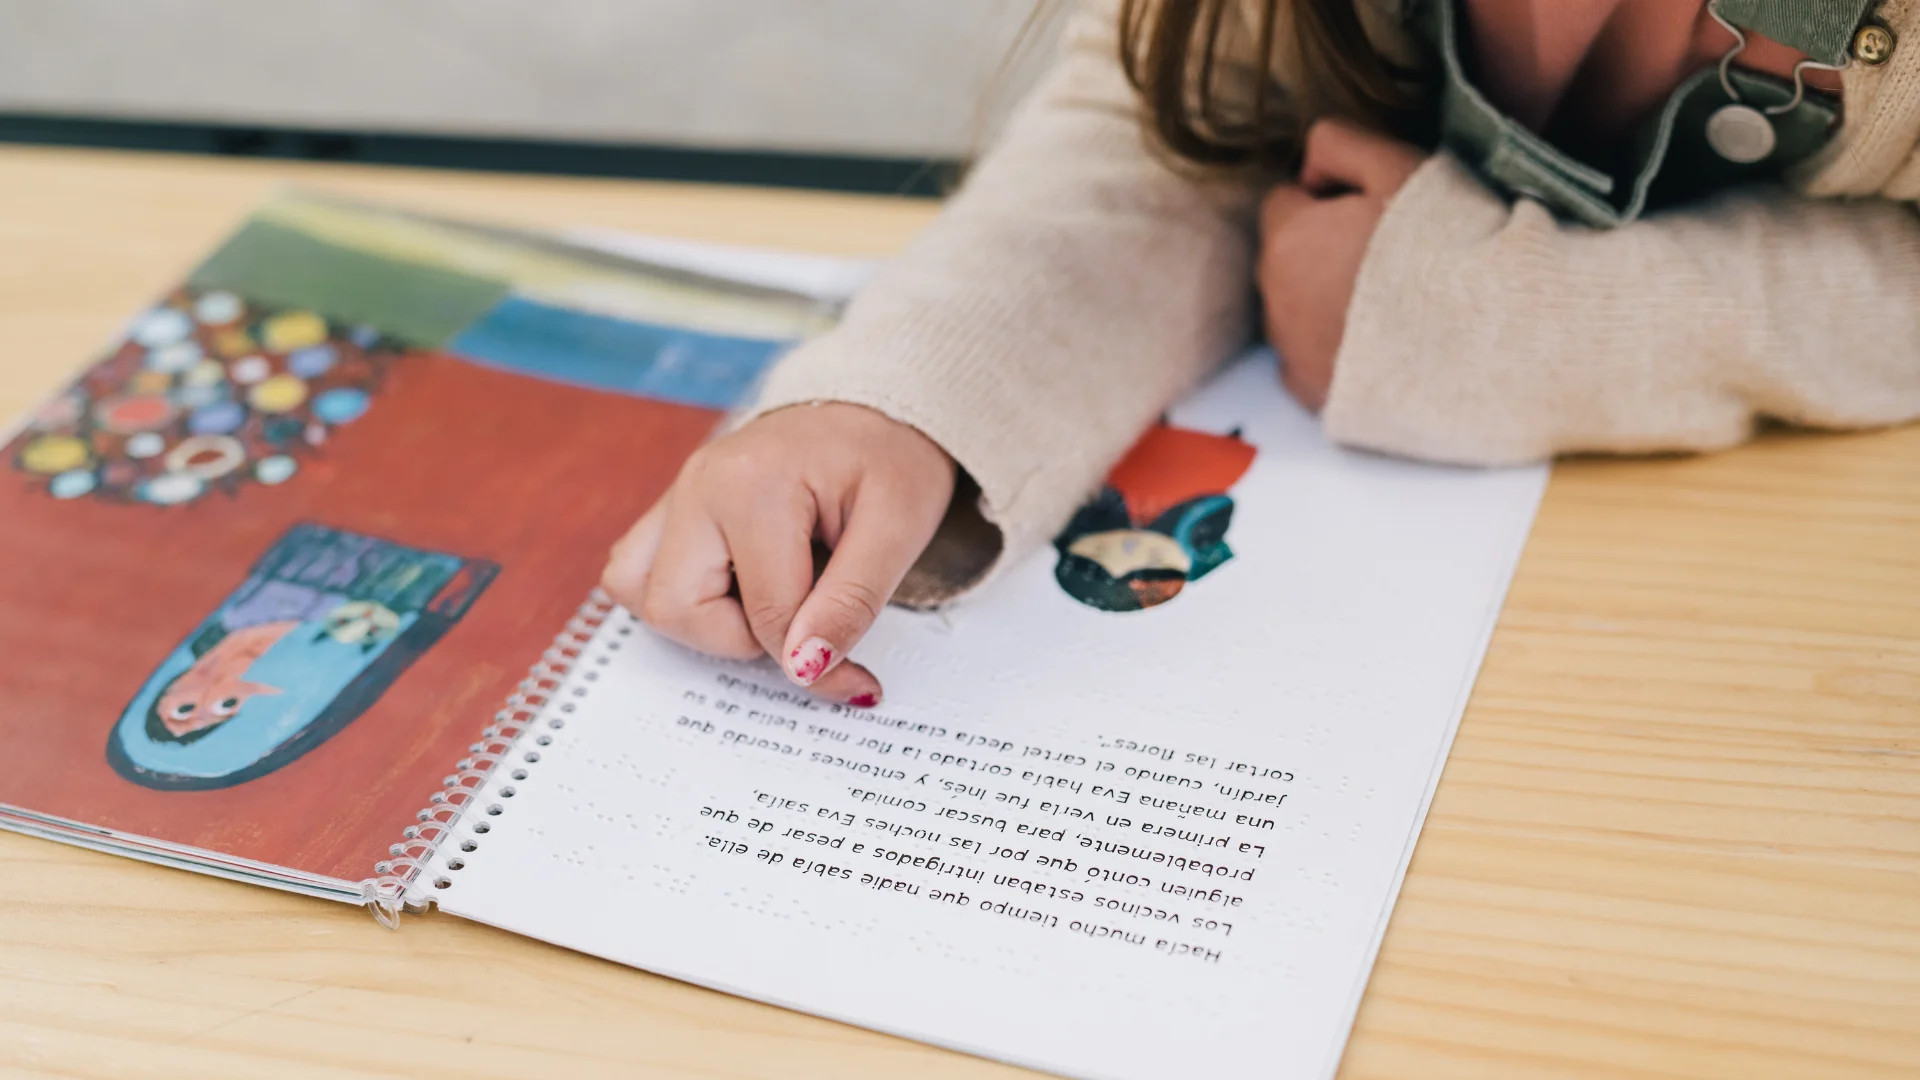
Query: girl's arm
1073, 289
1484, 333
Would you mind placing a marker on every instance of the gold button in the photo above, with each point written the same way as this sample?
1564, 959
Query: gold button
1873, 44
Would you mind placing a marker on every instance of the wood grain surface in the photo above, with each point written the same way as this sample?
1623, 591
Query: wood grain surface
1679, 835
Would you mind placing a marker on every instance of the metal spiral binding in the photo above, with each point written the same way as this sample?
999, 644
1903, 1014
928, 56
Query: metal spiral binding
385, 894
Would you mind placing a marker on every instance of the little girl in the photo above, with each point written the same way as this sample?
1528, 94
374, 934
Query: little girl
1502, 230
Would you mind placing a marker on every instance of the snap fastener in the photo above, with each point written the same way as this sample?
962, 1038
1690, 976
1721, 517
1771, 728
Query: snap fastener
1873, 44
1741, 134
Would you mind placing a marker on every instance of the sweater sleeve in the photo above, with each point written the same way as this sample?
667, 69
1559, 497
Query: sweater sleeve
1483, 333
1073, 289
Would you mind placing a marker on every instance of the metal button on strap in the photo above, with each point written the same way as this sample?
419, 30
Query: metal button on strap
1873, 44
1742, 135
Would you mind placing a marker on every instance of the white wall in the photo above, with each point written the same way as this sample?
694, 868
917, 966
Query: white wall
890, 77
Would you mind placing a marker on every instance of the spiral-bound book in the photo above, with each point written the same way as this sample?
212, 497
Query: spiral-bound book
296, 588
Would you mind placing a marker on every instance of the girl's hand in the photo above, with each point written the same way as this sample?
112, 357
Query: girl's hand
724, 562
1313, 236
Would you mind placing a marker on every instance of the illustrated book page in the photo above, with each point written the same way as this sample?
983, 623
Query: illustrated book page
271, 563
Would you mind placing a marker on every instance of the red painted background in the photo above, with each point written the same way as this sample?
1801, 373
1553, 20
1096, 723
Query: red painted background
536, 476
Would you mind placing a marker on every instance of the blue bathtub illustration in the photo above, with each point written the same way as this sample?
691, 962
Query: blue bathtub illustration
324, 623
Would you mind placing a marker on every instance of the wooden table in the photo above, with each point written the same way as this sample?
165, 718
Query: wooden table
1679, 835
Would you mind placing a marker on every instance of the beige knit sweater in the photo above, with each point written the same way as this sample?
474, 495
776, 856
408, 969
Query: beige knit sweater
1076, 287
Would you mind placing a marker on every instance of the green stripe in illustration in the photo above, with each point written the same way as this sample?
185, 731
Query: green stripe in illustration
281, 267
554, 272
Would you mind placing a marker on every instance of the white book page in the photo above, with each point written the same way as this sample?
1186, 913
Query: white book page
1144, 845
827, 277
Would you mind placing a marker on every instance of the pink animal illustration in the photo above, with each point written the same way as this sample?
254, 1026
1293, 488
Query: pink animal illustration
215, 687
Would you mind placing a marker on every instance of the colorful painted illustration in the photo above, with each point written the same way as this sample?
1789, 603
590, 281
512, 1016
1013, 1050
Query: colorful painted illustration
288, 332
323, 624
517, 302
1159, 523
206, 393
429, 391
601, 352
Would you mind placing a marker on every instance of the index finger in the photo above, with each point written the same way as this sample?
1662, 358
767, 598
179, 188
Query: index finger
688, 595
630, 563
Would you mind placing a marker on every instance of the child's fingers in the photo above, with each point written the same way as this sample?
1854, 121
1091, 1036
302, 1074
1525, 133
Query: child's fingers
877, 548
631, 560
773, 563
1338, 155
849, 684
689, 590
1342, 156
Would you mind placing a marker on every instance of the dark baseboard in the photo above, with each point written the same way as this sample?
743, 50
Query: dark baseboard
926, 178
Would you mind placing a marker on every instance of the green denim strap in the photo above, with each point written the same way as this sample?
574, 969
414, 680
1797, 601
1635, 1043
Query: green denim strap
1670, 161
1504, 151
1823, 29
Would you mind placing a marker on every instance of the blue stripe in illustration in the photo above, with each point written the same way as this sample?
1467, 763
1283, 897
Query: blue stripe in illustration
602, 352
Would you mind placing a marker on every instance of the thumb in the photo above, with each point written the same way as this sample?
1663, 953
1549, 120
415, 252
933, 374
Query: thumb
1343, 156
874, 554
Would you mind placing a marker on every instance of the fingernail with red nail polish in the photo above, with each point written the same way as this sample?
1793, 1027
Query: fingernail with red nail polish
864, 701
809, 660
